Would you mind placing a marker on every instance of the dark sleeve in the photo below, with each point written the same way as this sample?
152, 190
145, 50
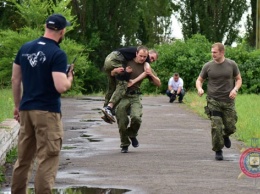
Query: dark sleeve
148, 59
128, 52
204, 71
235, 69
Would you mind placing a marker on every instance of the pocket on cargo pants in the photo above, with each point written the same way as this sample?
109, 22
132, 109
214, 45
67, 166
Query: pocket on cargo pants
54, 143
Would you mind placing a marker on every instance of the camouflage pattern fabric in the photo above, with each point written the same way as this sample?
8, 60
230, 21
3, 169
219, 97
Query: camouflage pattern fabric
133, 102
113, 60
120, 91
221, 126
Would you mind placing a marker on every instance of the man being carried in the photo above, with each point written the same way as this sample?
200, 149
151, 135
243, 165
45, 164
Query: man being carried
117, 85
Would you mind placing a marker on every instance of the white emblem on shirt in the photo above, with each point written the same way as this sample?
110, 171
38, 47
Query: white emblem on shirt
35, 58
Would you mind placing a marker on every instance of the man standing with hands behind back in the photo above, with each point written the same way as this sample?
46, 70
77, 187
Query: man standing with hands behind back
40, 66
224, 81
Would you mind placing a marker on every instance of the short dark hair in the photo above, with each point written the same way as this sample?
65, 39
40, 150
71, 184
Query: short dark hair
141, 48
176, 74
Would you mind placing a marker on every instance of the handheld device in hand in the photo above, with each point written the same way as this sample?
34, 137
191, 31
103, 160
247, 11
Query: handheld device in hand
68, 66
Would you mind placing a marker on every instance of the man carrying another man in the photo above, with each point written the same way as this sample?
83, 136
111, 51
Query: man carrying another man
132, 99
115, 64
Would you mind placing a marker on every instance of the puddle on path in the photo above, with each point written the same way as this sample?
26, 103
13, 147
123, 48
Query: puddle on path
89, 138
79, 190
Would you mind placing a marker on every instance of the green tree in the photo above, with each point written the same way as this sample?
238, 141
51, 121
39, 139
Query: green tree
108, 24
155, 21
251, 25
218, 20
11, 41
185, 57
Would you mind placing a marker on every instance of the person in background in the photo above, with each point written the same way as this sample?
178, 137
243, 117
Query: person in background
224, 81
175, 88
38, 78
115, 64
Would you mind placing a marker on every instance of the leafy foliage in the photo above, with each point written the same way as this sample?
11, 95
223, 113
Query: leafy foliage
101, 26
184, 57
188, 57
106, 25
218, 20
248, 61
11, 41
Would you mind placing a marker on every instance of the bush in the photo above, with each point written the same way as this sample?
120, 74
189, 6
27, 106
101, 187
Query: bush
85, 72
186, 58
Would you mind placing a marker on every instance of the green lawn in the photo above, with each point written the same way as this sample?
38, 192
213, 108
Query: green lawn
6, 104
247, 106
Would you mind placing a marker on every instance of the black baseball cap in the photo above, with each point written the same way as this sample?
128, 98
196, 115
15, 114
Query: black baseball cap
57, 22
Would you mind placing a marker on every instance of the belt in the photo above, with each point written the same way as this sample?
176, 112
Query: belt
133, 92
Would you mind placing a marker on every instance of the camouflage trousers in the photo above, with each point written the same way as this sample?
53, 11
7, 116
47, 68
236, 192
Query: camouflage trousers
113, 60
118, 94
221, 125
134, 103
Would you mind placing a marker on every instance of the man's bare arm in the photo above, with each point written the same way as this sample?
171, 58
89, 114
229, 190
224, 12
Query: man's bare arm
63, 82
154, 78
17, 89
199, 83
233, 93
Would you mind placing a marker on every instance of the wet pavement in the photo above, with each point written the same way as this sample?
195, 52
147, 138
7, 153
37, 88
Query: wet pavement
174, 155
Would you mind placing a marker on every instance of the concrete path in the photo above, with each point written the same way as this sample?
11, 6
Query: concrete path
174, 156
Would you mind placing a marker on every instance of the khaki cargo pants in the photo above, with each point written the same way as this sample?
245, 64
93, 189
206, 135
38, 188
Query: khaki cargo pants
40, 138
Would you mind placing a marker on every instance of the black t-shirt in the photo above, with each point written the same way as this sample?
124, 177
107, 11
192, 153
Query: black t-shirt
38, 59
129, 53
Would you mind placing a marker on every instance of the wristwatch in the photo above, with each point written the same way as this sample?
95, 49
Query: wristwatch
236, 90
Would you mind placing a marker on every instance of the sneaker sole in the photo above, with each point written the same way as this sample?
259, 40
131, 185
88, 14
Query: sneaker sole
124, 151
107, 121
108, 116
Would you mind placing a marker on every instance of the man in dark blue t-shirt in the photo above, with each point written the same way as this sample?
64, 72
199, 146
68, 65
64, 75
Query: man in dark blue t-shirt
40, 66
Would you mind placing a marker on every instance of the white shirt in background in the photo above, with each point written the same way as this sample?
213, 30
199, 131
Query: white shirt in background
175, 85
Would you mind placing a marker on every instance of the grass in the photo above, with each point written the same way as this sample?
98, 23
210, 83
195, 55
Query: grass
11, 157
247, 111
6, 104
